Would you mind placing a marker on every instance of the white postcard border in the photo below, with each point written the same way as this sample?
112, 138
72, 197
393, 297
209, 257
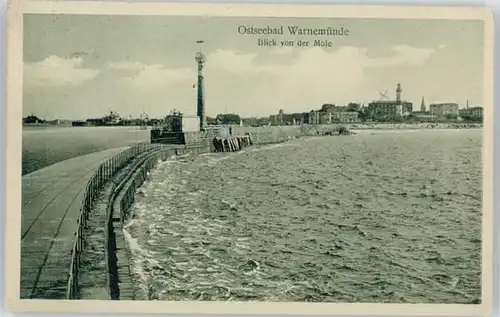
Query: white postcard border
14, 140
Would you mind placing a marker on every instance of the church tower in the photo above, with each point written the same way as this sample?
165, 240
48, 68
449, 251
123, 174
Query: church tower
422, 106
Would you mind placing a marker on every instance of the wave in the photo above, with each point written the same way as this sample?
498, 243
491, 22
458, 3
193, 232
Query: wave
281, 223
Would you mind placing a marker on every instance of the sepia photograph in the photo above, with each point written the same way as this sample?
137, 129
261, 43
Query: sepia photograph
189, 156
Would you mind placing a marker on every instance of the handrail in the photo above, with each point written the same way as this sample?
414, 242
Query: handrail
105, 171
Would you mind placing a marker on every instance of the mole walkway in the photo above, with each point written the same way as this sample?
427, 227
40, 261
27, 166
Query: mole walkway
51, 201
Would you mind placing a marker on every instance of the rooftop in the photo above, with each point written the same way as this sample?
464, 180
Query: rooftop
473, 108
384, 102
444, 104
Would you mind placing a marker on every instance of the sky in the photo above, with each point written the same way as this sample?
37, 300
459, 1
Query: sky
82, 66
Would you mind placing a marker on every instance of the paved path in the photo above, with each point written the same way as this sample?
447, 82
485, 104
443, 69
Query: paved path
51, 200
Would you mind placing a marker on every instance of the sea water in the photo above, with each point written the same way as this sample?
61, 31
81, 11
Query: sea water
376, 217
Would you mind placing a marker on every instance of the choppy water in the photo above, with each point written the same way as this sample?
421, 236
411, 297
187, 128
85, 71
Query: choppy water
377, 217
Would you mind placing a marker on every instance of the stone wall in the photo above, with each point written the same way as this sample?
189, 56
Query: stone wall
269, 134
193, 138
260, 135
276, 134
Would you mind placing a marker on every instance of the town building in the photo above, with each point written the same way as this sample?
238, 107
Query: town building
314, 117
345, 117
325, 117
351, 107
422, 115
448, 110
387, 110
330, 113
472, 113
329, 107
288, 118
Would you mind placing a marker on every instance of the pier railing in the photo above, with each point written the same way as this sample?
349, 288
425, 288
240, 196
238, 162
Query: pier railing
92, 191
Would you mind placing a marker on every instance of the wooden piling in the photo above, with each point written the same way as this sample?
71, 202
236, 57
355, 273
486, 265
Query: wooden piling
231, 144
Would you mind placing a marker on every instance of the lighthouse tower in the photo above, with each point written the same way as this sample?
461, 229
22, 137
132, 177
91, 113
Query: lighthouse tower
398, 93
399, 106
200, 109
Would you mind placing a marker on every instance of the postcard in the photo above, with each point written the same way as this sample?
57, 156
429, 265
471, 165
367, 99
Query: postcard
249, 158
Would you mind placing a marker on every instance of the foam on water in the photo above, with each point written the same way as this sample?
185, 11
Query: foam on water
377, 218
138, 255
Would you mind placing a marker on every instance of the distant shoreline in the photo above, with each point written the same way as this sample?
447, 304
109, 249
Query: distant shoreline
42, 125
429, 126
45, 125
374, 126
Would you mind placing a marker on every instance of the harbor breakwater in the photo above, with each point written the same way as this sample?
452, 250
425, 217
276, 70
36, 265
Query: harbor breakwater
124, 164
122, 282
211, 139
120, 199
101, 245
118, 195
